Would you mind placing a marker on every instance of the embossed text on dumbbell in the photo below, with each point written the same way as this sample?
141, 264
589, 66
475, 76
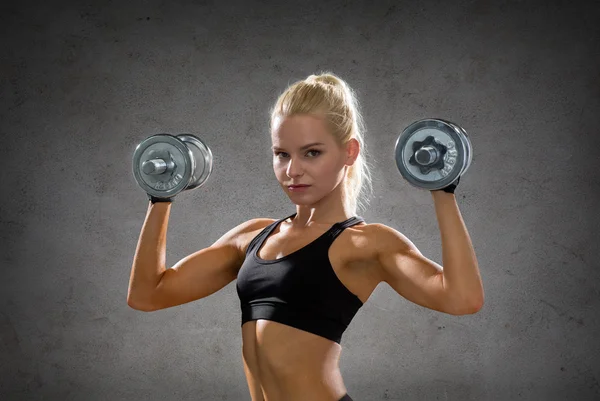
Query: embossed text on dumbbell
168, 185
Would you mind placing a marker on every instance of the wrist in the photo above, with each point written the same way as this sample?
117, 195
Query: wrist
154, 199
442, 194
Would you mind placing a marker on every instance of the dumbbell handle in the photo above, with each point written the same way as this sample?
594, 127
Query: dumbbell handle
426, 155
157, 166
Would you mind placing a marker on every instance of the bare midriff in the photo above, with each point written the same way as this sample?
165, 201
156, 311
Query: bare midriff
285, 363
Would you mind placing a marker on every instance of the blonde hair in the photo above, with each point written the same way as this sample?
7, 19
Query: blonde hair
329, 96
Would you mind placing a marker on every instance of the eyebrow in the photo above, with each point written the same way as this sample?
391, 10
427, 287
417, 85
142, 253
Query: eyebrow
310, 145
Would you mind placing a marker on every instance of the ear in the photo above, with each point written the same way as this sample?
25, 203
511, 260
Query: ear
352, 151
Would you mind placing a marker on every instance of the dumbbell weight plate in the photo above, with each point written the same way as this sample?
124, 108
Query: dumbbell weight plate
455, 160
469, 148
173, 180
203, 160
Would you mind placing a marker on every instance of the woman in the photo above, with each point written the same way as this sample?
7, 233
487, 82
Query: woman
301, 279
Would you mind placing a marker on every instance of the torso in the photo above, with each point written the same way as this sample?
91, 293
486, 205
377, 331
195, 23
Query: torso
285, 363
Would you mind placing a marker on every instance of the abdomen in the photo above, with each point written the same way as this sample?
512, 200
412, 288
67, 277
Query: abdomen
282, 362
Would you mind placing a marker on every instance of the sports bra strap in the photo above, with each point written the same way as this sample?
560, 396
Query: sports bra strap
341, 226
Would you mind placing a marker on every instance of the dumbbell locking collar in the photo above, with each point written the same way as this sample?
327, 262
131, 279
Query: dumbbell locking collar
428, 155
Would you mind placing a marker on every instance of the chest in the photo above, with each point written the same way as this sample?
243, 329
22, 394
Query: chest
350, 255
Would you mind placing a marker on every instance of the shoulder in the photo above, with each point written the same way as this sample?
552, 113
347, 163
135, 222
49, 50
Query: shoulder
377, 243
248, 227
381, 238
240, 236
246, 231
254, 224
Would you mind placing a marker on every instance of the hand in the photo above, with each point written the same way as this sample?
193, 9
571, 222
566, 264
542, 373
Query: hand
154, 199
450, 188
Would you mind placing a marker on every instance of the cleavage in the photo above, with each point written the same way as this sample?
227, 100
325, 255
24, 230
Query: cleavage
287, 243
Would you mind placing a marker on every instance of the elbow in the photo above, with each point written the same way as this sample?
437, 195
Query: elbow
477, 302
472, 308
140, 306
467, 308
467, 302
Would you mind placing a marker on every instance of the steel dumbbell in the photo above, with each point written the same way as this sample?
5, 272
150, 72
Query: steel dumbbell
433, 153
165, 165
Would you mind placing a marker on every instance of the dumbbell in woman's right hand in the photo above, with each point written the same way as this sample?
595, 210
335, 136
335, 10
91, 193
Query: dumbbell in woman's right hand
164, 165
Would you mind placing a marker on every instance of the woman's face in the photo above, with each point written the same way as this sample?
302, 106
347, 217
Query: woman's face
305, 153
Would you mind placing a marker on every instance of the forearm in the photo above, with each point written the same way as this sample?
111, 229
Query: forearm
461, 276
150, 255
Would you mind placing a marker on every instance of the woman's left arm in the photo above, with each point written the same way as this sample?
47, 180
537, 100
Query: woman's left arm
462, 279
455, 288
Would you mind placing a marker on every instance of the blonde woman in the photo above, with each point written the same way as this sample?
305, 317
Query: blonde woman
301, 279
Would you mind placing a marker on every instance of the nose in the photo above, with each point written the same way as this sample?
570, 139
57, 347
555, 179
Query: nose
294, 168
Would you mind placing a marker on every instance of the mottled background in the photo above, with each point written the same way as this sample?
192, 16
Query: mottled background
84, 82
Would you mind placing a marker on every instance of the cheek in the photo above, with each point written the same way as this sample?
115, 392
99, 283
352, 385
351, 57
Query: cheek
279, 170
328, 168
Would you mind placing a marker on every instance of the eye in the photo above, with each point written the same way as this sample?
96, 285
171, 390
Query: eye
317, 153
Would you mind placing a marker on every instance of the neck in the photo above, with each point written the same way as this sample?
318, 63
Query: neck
327, 211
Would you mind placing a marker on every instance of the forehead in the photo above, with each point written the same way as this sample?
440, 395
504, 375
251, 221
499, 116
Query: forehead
299, 128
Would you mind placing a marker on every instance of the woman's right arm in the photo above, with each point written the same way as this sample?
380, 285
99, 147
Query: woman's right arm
152, 286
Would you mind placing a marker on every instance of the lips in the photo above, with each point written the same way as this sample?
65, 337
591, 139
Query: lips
298, 188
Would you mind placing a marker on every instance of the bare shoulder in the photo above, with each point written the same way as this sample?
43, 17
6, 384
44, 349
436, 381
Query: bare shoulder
372, 243
242, 234
376, 233
360, 242
382, 236
376, 240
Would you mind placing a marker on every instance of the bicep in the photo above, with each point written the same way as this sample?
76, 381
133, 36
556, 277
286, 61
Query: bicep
412, 275
197, 276
205, 272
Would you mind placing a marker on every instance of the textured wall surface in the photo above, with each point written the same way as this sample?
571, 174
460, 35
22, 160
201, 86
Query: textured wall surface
84, 82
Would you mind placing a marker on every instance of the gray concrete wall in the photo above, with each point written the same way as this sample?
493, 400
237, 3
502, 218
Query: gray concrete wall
84, 82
